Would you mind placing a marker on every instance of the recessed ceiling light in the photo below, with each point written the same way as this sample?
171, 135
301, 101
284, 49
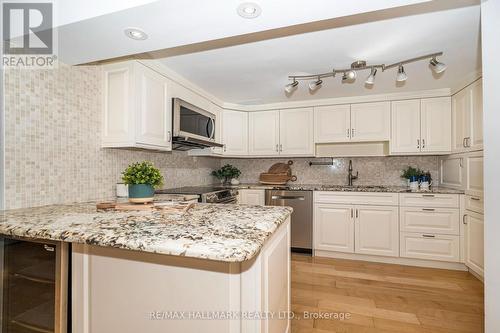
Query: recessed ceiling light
249, 10
135, 33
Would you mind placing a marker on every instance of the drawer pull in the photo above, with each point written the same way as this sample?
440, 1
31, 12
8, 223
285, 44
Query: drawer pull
464, 221
428, 209
428, 236
475, 199
428, 195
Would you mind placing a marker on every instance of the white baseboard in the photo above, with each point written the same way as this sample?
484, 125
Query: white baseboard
392, 260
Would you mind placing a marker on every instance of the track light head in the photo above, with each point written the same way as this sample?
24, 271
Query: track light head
401, 76
289, 88
437, 67
315, 84
349, 76
371, 78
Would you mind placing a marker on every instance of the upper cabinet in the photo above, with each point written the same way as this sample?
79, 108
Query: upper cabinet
285, 132
467, 118
296, 132
421, 126
136, 107
361, 122
235, 133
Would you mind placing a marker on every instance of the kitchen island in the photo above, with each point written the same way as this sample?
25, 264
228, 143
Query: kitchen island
215, 268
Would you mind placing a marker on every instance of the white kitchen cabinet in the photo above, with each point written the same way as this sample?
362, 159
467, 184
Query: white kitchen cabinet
376, 230
430, 220
136, 107
421, 126
334, 228
251, 197
363, 122
467, 118
474, 242
405, 124
370, 121
332, 123
452, 171
430, 246
474, 169
235, 133
263, 133
296, 132
435, 120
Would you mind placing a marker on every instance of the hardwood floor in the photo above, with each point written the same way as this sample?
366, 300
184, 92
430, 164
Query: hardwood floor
382, 298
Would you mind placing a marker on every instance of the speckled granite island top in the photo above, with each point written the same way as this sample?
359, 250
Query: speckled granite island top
230, 233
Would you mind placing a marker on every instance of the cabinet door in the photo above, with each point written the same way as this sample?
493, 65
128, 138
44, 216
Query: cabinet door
474, 242
430, 220
263, 133
370, 121
332, 123
475, 165
154, 118
451, 171
430, 246
334, 228
460, 123
476, 140
377, 230
296, 132
235, 132
251, 197
405, 124
435, 128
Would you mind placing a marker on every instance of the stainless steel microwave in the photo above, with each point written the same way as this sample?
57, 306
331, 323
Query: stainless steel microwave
193, 127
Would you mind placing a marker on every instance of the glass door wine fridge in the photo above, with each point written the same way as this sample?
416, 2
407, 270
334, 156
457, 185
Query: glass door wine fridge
33, 286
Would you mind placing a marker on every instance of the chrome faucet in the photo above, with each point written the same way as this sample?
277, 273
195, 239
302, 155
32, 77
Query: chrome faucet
350, 177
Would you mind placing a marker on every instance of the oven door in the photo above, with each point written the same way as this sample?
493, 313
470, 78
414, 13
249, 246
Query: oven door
192, 122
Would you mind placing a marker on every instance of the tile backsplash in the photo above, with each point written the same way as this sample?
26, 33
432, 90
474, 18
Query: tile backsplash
52, 146
372, 170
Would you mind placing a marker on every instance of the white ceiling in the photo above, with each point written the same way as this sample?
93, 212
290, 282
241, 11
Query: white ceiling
173, 23
255, 73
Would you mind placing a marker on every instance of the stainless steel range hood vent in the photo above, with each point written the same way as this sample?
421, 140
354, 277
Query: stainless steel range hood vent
187, 143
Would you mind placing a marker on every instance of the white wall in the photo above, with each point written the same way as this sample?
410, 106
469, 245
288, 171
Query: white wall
490, 27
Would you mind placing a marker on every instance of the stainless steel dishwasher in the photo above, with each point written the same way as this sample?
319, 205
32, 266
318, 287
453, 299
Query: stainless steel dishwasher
302, 216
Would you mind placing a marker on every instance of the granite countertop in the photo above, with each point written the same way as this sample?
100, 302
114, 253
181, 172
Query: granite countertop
230, 233
345, 188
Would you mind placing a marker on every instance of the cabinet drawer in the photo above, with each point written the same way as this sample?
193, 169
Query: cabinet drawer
430, 220
474, 203
430, 246
430, 200
362, 198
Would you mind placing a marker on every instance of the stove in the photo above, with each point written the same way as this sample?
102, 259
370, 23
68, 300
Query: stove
207, 194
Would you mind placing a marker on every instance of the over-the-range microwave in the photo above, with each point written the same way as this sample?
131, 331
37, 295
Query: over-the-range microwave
192, 127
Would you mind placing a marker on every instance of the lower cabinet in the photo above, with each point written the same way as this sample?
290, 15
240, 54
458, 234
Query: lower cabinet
474, 241
356, 229
252, 197
430, 246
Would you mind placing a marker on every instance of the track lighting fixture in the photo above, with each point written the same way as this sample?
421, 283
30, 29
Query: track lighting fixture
350, 74
289, 88
437, 67
315, 84
401, 76
371, 78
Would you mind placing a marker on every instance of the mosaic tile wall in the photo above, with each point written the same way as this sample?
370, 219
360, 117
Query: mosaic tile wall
53, 154
372, 170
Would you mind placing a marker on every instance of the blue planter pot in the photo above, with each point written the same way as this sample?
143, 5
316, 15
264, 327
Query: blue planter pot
140, 193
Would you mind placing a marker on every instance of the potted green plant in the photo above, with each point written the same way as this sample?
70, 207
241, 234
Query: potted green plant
413, 176
227, 173
142, 178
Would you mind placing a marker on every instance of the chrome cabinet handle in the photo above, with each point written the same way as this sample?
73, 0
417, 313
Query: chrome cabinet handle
357, 213
475, 199
224, 148
423, 143
281, 147
461, 162
463, 142
352, 213
428, 236
352, 132
418, 143
48, 248
277, 149
464, 221
348, 133
169, 136
428, 209
428, 195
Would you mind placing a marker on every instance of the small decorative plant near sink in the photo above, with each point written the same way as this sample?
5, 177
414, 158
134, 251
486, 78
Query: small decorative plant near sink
414, 176
142, 178
228, 174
